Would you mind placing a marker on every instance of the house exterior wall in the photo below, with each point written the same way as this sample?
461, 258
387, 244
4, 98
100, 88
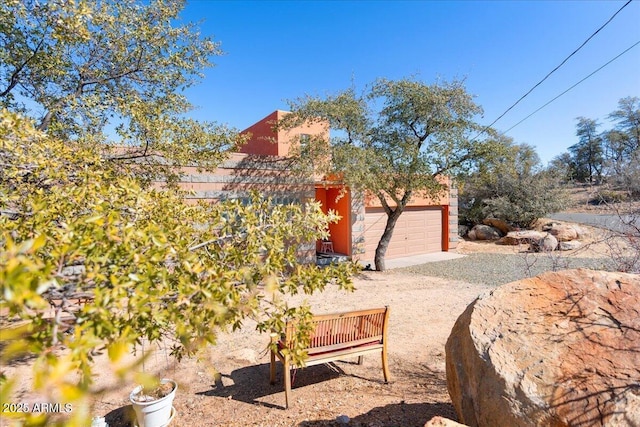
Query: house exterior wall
263, 138
442, 199
262, 165
265, 141
242, 173
338, 199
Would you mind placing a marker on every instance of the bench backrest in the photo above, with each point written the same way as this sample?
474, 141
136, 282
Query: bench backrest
349, 329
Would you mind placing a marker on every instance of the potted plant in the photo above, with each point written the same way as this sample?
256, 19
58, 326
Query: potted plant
154, 406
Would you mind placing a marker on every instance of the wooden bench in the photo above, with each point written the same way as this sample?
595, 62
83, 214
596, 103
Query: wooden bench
335, 336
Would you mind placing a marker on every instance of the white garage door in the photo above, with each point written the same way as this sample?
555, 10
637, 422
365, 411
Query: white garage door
418, 231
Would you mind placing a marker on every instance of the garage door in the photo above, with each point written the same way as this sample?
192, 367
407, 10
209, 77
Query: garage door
418, 231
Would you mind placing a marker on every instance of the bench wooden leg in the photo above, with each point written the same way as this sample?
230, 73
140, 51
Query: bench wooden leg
287, 381
385, 366
272, 368
360, 360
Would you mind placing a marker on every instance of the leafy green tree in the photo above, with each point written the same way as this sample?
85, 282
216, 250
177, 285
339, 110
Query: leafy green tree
153, 267
562, 167
394, 141
588, 153
615, 151
627, 117
623, 144
513, 187
92, 71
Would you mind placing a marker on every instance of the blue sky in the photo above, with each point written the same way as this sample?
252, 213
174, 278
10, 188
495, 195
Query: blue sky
280, 50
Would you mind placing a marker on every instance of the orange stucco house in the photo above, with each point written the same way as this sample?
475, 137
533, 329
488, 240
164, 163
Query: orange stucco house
426, 226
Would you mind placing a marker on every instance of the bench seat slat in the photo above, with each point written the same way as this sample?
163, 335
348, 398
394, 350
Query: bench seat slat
345, 345
320, 358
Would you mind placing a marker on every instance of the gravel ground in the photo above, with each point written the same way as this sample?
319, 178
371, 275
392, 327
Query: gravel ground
493, 269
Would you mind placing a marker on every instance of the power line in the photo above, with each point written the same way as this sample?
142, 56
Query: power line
554, 70
600, 68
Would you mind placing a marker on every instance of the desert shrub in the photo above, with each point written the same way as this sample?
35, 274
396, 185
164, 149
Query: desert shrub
624, 242
523, 201
607, 197
630, 176
514, 189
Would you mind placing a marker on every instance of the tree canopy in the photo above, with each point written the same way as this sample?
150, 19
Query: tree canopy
394, 140
612, 155
513, 187
111, 71
588, 152
627, 118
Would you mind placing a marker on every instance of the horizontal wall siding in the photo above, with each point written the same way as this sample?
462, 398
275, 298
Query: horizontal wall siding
241, 174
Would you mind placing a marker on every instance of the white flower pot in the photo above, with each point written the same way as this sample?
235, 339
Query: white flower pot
154, 413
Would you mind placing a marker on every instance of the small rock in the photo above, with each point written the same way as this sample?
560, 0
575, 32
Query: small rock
583, 233
547, 244
343, 419
569, 246
244, 355
442, 422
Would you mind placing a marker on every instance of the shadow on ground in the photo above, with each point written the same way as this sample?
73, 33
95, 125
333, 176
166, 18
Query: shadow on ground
399, 414
250, 385
121, 417
245, 388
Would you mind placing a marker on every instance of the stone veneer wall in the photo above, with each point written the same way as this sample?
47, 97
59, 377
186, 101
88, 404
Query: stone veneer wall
357, 224
453, 217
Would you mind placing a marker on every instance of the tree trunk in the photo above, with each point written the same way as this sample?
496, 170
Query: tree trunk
45, 122
383, 244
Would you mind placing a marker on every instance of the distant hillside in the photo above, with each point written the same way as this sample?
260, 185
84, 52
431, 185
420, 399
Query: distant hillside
600, 199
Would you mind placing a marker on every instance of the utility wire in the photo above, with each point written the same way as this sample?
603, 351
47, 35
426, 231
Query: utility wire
554, 70
609, 62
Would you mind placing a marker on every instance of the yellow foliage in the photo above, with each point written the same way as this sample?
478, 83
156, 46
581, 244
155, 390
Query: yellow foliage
148, 266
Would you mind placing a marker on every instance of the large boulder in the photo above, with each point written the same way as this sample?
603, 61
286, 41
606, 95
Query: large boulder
522, 237
547, 244
562, 232
559, 349
484, 232
500, 224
